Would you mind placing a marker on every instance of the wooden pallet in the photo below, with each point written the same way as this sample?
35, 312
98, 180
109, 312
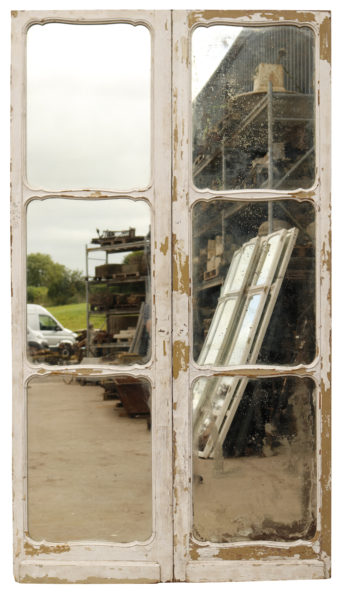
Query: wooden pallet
123, 276
125, 335
211, 274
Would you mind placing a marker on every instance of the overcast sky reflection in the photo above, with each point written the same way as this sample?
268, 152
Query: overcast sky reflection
88, 104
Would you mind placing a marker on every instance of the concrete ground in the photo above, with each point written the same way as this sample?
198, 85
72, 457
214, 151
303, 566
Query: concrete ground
89, 477
253, 497
89, 466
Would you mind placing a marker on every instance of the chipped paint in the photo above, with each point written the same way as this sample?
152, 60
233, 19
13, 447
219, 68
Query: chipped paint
174, 189
18, 547
164, 246
326, 254
174, 457
175, 135
199, 16
180, 358
305, 195
181, 280
325, 539
48, 579
14, 13
164, 348
74, 373
325, 40
185, 50
255, 552
31, 550
256, 371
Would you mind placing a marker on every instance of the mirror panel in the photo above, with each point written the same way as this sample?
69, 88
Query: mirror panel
88, 281
235, 257
88, 106
253, 107
254, 460
89, 458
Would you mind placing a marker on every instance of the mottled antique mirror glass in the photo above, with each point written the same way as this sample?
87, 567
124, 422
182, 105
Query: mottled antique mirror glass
253, 282
253, 107
254, 462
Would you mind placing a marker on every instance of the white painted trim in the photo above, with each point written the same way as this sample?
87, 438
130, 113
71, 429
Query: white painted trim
246, 570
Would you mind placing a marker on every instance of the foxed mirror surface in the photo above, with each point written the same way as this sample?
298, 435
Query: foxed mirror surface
253, 273
254, 459
88, 106
88, 281
89, 458
253, 107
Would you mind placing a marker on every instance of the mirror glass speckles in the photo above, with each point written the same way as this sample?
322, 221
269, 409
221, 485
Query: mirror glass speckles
88, 106
254, 464
253, 107
89, 459
253, 267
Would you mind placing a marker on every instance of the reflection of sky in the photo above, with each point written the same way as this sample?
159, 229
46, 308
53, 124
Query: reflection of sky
209, 46
61, 227
88, 97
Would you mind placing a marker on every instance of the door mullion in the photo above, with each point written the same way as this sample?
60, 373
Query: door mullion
181, 293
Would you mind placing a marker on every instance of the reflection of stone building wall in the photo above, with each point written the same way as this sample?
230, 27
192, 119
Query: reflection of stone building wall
292, 47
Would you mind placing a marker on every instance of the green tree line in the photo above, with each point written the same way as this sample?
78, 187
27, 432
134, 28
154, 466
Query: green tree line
50, 283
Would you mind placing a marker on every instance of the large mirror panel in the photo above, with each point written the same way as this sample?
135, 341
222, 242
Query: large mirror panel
254, 459
253, 267
88, 106
253, 107
88, 281
89, 458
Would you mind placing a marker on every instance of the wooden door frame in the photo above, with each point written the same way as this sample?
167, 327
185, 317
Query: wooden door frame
205, 561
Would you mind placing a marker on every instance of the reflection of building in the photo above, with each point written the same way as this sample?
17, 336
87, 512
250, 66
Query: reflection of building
245, 138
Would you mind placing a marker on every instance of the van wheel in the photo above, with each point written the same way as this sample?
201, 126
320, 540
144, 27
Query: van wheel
65, 351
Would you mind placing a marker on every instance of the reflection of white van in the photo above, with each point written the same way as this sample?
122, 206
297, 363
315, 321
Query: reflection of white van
40, 320
36, 340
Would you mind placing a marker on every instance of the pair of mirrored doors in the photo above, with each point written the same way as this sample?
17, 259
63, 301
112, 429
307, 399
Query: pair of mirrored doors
171, 342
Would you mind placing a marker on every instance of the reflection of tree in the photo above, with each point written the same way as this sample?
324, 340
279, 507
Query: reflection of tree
51, 282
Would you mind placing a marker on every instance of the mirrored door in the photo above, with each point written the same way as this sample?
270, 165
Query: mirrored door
248, 204
92, 352
170, 283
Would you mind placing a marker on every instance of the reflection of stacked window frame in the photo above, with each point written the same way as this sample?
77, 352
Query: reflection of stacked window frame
259, 277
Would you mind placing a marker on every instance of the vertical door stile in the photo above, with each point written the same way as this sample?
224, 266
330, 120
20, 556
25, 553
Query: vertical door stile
181, 294
324, 277
161, 267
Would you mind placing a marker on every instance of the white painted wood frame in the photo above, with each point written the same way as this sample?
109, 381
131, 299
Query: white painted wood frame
172, 553
89, 561
206, 561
